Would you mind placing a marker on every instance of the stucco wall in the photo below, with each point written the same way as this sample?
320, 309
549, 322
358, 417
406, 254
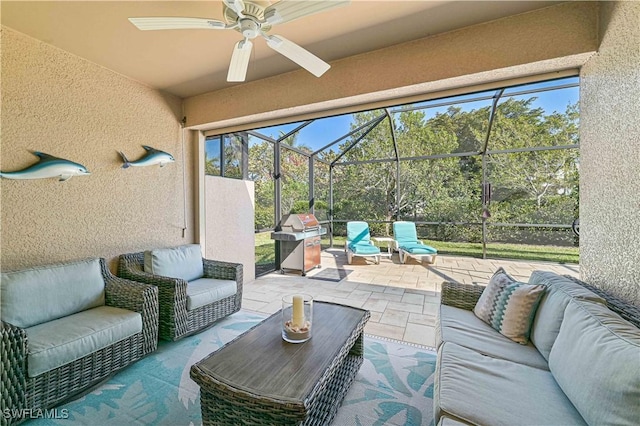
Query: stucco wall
229, 222
526, 44
610, 155
65, 106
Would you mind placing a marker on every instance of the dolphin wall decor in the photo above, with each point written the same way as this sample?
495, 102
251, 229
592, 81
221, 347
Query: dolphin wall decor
152, 157
48, 167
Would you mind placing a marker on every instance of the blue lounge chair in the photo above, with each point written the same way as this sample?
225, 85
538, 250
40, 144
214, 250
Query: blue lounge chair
359, 242
407, 243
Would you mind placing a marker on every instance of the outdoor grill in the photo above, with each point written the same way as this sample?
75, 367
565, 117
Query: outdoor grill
299, 237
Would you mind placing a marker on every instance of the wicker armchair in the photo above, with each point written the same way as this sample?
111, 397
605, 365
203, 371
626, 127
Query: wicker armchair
21, 393
176, 321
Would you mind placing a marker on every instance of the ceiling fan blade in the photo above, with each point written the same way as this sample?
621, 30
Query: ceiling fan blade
236, 5
297, 54
177, 23
239, 61
288, 10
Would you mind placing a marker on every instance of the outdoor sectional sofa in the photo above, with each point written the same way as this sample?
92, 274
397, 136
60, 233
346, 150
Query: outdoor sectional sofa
66, 327
581, 365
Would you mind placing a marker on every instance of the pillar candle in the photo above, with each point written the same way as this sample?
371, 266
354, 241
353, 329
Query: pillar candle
298, 311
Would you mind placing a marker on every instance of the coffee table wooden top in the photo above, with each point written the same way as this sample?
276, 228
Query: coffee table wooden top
260, 362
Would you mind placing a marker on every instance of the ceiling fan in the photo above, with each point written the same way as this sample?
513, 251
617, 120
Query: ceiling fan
253, 18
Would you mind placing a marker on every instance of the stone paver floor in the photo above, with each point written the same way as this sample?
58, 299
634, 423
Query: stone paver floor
402, 298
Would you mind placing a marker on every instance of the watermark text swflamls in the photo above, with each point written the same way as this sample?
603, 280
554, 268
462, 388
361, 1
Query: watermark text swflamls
35, 413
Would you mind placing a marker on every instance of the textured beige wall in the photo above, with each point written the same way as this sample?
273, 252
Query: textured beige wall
229, 222
60, 104
535, 37
610, 155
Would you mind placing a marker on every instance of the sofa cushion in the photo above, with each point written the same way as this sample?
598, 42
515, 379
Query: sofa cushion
184, 262
560, 291
40, 294
205, 291
509, 306
364, 248
596, 361
462, 327
417, 248
488, 391
59, 342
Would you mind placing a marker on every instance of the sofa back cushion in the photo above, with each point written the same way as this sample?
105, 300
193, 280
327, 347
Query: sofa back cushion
184, 262
41, 294
596, 361
548, 319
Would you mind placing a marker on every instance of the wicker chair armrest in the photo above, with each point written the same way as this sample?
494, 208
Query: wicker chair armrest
224, 271
14, 367
137, 297
464, 296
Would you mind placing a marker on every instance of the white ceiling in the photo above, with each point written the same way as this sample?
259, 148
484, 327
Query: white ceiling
191, 62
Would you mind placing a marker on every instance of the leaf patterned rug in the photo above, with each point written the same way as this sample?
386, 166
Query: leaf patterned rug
393, 387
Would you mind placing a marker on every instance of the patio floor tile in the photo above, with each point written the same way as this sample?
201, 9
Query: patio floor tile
413, 299
384, 330
403, 299
393, 317
420, 334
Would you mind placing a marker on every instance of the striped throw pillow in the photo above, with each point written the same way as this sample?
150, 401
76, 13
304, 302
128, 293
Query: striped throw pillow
509, 306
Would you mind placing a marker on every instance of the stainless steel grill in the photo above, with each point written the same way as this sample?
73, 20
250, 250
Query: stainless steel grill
299, 236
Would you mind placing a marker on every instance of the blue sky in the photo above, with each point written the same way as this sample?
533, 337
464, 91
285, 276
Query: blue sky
326, 130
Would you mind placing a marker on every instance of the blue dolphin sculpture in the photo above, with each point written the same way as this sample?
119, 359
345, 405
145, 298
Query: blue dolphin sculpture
152, 157
48, 167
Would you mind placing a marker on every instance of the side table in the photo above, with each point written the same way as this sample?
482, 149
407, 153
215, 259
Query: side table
390, 244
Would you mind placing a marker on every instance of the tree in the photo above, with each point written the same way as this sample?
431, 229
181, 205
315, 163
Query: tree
533, 176
261, 173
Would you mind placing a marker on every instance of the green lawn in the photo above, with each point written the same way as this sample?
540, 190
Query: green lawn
265, 252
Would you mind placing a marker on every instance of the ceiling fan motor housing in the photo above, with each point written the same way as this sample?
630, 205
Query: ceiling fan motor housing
249, 28
253, 12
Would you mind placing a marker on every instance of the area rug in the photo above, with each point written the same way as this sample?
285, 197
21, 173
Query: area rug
331, 274
393, 387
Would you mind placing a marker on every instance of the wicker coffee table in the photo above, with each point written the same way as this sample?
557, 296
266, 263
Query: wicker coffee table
258, 378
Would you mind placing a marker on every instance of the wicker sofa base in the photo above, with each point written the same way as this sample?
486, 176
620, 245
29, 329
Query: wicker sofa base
48, 389
204, 317
51, 388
